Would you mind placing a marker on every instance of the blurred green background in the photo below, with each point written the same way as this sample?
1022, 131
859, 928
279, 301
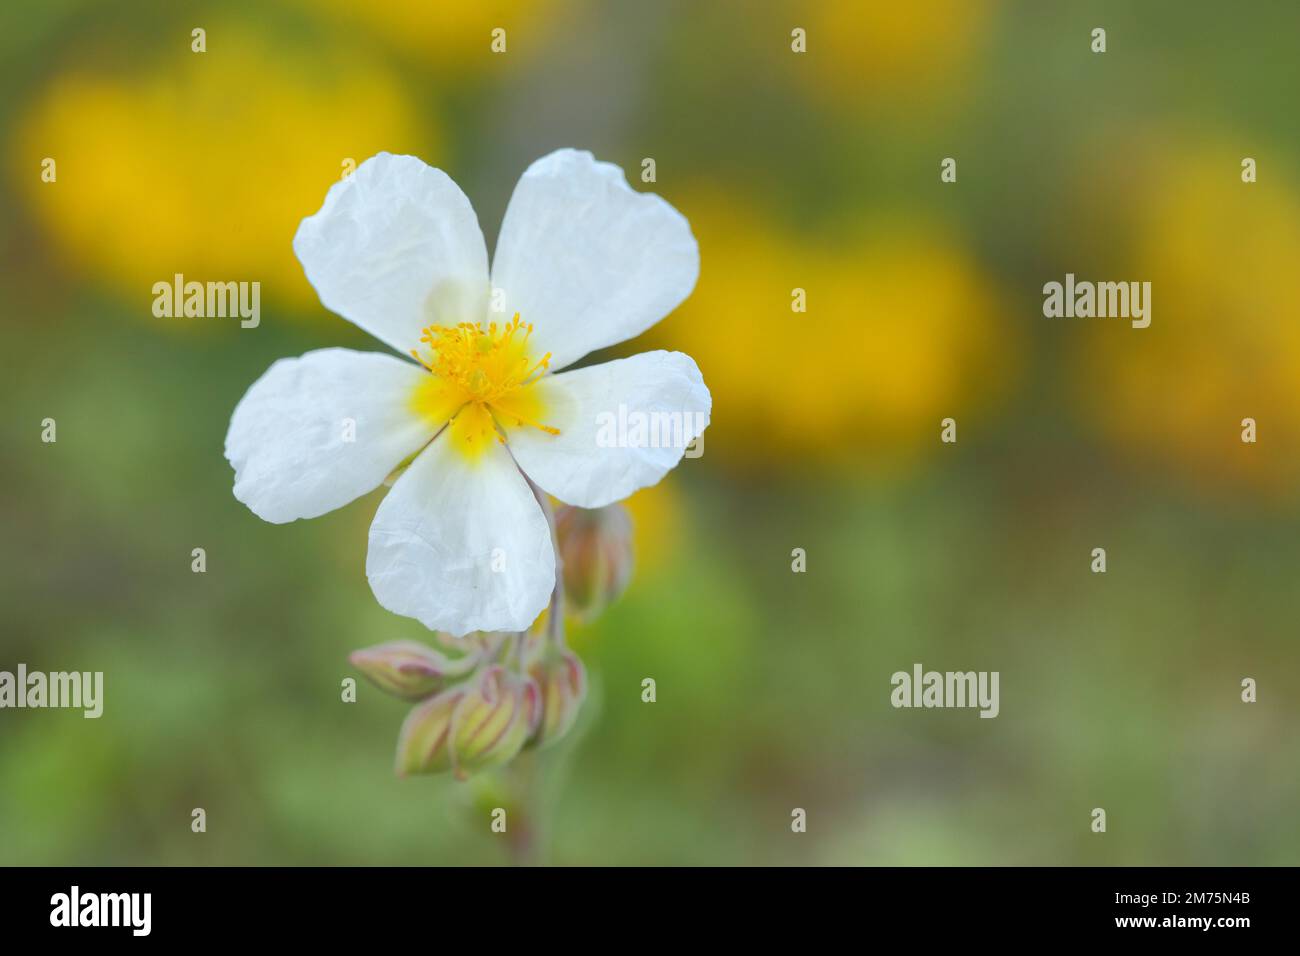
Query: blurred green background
818, 171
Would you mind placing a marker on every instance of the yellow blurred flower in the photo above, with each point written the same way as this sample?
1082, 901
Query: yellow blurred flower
450, 37
879, 53
901, 330
1224, 340
204, 163
656, 526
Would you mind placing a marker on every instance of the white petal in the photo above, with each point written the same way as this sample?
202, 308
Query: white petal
588, 261
623, 425
288, 437
396, 247
462, 546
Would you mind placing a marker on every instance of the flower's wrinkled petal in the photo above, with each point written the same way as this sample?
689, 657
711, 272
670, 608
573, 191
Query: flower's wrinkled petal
395, 248
623, 425
461, 544
588, 261
315, 432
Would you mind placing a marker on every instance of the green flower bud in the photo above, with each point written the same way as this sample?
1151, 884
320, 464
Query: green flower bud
596, 550
410, 669
479, 724
494, 721
563, 682
424, 745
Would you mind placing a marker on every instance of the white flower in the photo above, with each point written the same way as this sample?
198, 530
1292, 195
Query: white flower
583, 262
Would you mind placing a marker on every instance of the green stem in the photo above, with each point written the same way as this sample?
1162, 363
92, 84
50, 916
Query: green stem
527, 845
525, 831
555, 618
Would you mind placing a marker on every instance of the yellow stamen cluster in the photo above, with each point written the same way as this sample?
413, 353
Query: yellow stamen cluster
489, 368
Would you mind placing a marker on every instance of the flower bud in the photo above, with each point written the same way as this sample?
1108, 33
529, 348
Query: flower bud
563, 683
424, 745
494, 721
475, 725
596, 550
410, 669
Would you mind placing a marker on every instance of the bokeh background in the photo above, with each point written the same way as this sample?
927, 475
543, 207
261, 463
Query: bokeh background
818, 171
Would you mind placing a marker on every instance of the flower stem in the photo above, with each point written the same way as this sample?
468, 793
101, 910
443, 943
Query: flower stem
527, 847
525, 836
555, 617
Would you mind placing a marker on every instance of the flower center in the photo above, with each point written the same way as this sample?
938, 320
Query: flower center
482, 380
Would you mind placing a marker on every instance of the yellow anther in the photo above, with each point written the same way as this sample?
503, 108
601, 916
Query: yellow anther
489, 369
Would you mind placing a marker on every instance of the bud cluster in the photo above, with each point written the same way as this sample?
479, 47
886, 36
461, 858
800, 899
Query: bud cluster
484, 698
